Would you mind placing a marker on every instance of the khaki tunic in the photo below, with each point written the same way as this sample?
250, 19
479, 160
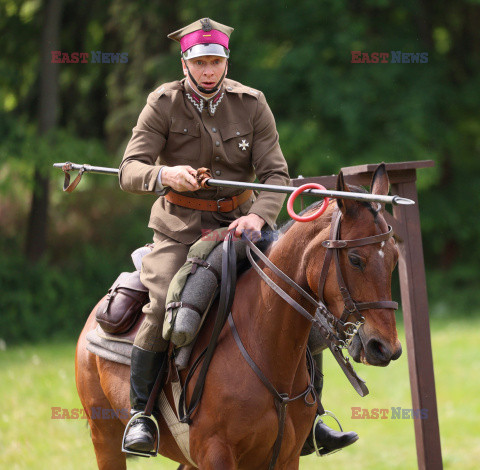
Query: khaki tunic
234, 135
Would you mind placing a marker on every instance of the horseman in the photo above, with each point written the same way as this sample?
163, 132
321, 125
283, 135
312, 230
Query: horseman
203, 120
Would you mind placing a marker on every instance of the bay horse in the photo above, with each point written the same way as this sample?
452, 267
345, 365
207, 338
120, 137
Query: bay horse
235, 426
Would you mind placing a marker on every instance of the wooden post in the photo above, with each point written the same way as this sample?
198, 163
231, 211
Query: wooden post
406, 224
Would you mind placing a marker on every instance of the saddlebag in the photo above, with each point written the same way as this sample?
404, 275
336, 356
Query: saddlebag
123, 304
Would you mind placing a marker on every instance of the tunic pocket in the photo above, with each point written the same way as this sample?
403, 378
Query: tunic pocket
237, 141
183, 143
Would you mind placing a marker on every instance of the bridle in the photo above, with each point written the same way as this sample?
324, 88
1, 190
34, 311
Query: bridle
345, 331
338, 332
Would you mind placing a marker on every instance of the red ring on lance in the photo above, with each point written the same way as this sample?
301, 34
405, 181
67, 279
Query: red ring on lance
295, 194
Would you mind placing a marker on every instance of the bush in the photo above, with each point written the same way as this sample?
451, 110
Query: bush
41, 301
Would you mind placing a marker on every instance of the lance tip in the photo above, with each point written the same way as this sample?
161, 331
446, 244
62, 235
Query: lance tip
403, 201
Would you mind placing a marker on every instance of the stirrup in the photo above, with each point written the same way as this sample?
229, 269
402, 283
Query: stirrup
141, 414
318, 450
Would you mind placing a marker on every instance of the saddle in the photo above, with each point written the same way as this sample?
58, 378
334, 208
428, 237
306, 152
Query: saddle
192, 292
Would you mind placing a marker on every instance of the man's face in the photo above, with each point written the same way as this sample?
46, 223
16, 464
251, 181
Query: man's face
206, 70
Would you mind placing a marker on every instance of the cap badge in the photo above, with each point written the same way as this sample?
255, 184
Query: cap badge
206, 25
244, 144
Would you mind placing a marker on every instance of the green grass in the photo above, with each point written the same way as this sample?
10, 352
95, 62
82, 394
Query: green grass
33, 379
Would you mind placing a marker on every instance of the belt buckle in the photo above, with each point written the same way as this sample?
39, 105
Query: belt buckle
218, 203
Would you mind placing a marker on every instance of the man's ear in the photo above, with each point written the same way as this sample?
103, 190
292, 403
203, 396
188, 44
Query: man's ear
184, 67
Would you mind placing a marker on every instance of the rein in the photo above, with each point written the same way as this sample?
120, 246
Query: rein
337, 333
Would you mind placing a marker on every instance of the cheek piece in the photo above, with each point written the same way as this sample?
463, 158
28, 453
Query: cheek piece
204, 90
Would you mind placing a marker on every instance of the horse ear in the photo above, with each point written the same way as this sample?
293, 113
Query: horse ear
380, 182
345, 205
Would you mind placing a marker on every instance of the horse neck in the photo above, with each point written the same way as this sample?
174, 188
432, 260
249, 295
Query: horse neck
276, 330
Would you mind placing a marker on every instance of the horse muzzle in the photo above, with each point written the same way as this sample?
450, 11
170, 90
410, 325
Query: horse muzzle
373, 351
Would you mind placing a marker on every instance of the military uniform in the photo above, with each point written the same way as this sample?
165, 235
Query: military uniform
233, 134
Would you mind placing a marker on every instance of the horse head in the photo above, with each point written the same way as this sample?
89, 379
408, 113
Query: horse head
365, 269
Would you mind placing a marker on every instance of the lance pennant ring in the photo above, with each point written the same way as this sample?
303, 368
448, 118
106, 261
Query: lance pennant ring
316, 214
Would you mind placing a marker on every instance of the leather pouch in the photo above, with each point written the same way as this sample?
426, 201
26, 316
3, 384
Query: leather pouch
123, 304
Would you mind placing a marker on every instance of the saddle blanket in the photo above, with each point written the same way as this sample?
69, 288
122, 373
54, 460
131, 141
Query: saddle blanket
119, 349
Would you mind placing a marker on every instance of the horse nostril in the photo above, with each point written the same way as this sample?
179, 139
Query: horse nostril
378, 351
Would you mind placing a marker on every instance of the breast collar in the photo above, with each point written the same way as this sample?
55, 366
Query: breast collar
201, 102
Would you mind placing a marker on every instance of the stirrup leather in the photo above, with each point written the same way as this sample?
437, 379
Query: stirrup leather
319, 450
141, 414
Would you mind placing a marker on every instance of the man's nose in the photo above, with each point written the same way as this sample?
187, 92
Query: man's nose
208, 70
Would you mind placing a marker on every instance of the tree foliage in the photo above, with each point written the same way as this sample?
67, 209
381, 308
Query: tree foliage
330, 112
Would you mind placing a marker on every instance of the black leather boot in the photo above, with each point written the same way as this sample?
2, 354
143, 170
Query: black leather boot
327, 439
141, 434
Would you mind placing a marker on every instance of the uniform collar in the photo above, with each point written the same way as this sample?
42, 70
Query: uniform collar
200, 102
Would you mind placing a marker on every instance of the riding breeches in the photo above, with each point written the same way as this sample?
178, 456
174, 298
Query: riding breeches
158, 269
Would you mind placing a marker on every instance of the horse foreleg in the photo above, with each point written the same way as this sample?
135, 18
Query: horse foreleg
216, 455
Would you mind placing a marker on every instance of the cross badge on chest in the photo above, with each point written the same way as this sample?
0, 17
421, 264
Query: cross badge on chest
244, 144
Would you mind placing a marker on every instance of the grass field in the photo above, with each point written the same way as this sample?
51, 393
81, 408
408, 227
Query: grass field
33, 379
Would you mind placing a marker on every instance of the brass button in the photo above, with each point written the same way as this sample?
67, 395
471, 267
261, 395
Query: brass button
217, 159
214, 129
217, 143
238, 133
185, 130
218, 172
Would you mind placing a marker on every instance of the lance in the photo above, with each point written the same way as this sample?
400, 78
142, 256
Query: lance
395, 200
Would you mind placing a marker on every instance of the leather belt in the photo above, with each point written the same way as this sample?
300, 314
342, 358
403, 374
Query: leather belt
226, 204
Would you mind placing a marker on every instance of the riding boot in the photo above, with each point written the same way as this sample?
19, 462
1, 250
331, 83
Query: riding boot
141, 436
328, 440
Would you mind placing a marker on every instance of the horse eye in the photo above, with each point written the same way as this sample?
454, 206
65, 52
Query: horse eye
356, 262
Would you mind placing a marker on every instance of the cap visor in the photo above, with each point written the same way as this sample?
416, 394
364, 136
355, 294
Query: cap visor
200, 50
